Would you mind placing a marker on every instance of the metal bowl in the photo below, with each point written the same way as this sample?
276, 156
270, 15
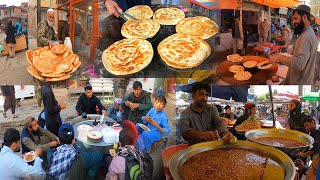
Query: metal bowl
282, 133
180, 158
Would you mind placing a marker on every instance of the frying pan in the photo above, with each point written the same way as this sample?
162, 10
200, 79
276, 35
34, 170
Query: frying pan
157, 65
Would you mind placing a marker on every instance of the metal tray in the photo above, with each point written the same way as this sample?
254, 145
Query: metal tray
282, 133
282, 159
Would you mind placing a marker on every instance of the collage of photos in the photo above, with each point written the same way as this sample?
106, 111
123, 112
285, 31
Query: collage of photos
159, 90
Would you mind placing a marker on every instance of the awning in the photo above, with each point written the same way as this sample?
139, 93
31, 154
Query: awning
312, 96
238, 94
250, 7
218, 4
278, 3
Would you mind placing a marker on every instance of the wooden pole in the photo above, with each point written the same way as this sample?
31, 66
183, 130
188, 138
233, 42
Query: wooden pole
272, 107
38, 11
95, 29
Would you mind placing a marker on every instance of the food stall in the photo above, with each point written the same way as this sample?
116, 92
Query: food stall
83, 27
21, 44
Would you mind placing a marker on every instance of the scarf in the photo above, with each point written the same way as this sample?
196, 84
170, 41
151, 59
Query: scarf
129, 149
62, 160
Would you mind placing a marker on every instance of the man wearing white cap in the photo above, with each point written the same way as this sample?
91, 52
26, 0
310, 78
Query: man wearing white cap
115, 111
46, 32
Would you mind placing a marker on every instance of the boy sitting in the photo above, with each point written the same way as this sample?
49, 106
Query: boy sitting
127, 139
156, 120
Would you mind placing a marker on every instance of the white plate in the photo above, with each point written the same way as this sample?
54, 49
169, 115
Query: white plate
33, 154
144, 127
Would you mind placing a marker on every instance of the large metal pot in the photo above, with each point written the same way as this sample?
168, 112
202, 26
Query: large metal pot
252, 135
282, 159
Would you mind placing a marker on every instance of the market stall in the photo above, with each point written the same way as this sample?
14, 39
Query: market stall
21, 44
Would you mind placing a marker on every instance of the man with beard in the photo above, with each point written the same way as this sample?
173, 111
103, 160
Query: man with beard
12, 166
33, 137
201, 122
302, 64
296, 117
46, 32
136, 104
115, 111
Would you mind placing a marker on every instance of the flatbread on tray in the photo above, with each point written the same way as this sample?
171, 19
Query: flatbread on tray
236, 68
199, 26
127, 56
183, 51
145, 28
242, 75
53, 63
168, 16
250, 64
264, 65
234, 58
140, 12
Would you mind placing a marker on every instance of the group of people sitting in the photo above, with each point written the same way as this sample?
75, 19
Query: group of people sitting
58, 156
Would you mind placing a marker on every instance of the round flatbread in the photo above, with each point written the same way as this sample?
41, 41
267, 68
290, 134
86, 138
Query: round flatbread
236, 68
67, 76
250, 64
145, 28
66, 53
44, 65
242, 75
58, 49
140, 12
183, 51
64, 64
127, 56
264, 65
234, 58
168, 16
29, 56
35, 73
199, 26
69, 69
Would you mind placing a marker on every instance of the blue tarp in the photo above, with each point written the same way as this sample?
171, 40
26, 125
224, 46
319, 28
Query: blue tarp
237, 93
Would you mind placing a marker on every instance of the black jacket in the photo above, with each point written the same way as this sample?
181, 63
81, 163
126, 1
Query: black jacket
88, 105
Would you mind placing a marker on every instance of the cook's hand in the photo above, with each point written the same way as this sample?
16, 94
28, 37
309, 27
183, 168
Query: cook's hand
63, 105
127, 103
107, 114
104, 112
276, 57
229, 138
112, 7
53, 143
38, 152
50, 44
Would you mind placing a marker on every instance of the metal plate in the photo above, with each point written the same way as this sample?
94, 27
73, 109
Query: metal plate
282, 159
282, 133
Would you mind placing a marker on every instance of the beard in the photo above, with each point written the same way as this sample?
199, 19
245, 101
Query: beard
200, 103
35, 132
51, 24
298, 28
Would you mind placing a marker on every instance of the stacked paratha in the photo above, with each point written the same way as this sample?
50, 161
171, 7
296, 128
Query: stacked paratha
199, 26
127, 56
55, 63
140, 12
168, 16
183, 51
145, 28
